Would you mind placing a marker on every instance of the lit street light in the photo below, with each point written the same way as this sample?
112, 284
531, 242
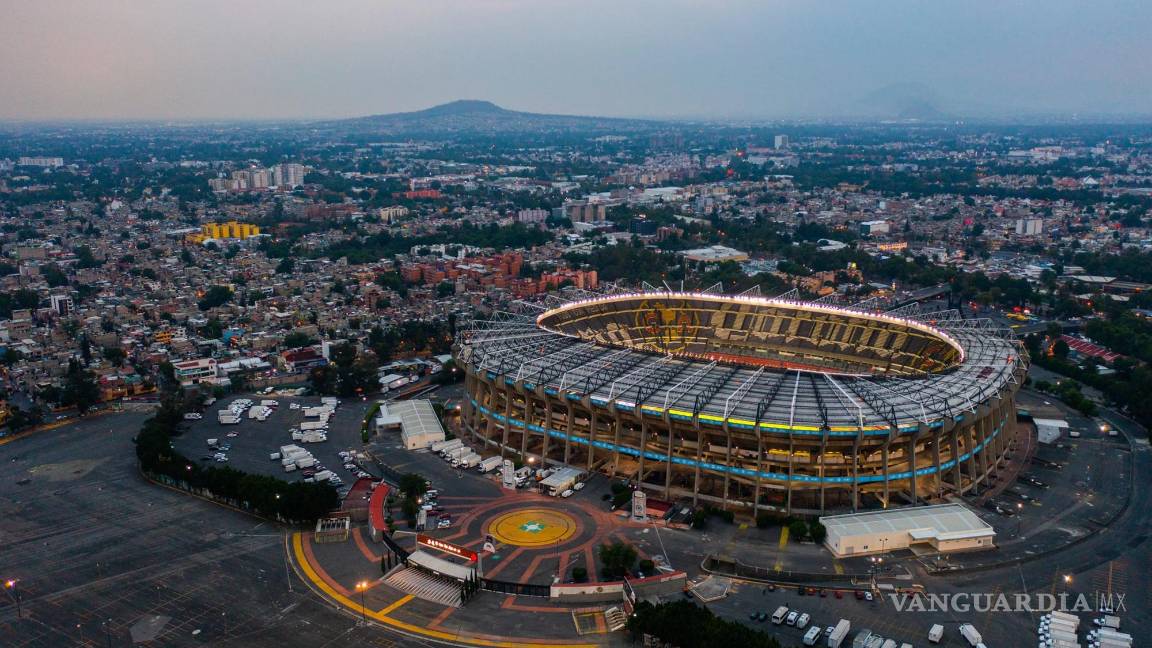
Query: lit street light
14, 592
361, 587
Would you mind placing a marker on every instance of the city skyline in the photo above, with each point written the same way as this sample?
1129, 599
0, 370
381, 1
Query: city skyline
735, 59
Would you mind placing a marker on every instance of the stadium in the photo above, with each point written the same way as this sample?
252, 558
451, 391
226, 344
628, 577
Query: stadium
745, 402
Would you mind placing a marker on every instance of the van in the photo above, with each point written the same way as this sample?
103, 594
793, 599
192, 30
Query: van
812, 635
779, 614
936, 633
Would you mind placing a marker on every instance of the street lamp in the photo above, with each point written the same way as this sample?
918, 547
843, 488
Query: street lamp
361, 587
14, 592
1067, 579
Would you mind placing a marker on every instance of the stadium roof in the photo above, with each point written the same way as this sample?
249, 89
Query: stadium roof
797, 400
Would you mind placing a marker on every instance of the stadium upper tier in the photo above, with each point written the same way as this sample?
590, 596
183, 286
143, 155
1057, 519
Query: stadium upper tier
759, 332
773, 364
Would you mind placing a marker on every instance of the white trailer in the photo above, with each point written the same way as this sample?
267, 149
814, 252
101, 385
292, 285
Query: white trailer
289, 467
314, 437
308, 426
228, 420
324, 475
936, 633
970, 634
305, 462
438, 446
456, 453
330, 400
470, 461
489, 464
1064, 616
449, 446
839, 633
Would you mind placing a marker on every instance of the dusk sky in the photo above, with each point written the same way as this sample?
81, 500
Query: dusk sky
172, 59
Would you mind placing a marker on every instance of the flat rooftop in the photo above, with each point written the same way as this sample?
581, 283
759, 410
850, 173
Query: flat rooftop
943, 522
417, 416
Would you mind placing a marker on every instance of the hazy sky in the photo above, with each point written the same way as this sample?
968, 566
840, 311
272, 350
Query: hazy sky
770, 58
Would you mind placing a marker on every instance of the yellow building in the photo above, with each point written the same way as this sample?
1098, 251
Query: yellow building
228, 230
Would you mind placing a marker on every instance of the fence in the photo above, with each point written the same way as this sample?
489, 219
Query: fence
733, 567
519, 589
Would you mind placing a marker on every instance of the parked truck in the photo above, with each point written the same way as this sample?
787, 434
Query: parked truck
489, 464
449, 446
456, 453
936, 633
438, 446
305, 462
308, 426
970, 634
470, 461
839, 633
324, 475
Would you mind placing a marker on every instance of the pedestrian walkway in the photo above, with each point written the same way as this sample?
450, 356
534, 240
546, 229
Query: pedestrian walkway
425, 586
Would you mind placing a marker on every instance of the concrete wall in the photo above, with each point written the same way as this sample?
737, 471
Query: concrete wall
614, 591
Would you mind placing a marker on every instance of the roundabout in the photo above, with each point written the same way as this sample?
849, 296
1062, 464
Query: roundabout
533, 527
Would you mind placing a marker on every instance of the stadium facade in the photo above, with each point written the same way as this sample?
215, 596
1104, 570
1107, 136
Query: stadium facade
745, 402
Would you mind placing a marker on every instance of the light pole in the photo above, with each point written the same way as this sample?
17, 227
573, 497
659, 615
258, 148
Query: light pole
107, 635
1019, 517
14, 592
361, 587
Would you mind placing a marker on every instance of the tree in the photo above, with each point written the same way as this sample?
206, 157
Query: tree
617, 559
579, 574
115, 355
817, 531
797, 529
413, 485
1060, 349
296, 340
215, 296
286, 266
80, 388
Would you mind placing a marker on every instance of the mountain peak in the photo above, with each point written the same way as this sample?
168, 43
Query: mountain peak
464, 107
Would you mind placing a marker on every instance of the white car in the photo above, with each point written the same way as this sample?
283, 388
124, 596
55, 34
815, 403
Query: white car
193, 416
578, 486
567, 493
802, 620
791, 618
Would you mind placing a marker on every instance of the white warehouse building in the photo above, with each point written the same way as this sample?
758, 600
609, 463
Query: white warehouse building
943, 528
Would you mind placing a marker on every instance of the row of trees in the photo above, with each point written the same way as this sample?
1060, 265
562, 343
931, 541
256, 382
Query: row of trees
687, 625
295, 502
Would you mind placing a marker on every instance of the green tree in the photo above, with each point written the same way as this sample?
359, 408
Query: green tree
286, 266
617, 559
80, 388
115, 355
215, 296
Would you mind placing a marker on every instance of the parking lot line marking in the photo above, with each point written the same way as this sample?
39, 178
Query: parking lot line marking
395, 606
783, 537
837, 567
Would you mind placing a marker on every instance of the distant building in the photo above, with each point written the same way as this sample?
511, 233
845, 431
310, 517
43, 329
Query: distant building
48, 162
288, 175
641, 226
1029, 226
62, 304
780, 141
531, 215
391, 214
874, 227
228, 230
715, 254
583, 211
192, 372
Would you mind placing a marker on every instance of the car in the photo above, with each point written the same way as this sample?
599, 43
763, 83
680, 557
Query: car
792, 617
444, 524
859, 595
578, 486
867, 596
567, 493
802, 620
231, 434
755, 616
829, 630
762, 617
823, 593
839, 594
771, 587
811, 591
221, 459
308, 472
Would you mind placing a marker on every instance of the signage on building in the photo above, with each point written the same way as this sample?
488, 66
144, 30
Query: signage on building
508, 472
639, 505
446, 547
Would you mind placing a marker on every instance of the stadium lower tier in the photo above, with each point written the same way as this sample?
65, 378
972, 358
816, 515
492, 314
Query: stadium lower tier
734, 466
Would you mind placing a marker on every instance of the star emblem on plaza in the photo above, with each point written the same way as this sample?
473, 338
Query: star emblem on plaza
532, 527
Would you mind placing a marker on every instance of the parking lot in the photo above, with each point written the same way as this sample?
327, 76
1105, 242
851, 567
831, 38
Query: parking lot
255, 440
